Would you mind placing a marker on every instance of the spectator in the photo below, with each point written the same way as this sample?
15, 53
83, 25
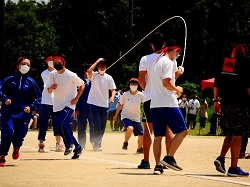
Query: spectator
233, 77
193, 109
203, 114
111, 112
183, 104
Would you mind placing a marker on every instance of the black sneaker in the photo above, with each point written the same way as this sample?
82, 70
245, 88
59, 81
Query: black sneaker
139, 151
125, 146
77, 153
158, 170
144, 165
170, 162
68, 150
220, 164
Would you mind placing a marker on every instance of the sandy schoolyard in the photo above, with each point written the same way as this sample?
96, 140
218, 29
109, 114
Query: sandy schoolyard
116, 167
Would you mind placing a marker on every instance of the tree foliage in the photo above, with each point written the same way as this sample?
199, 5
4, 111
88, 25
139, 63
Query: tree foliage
89, 29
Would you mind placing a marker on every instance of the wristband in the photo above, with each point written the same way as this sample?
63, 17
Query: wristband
215, 100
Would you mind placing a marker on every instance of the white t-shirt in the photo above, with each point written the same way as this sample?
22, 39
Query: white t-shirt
146, 63
99, 91
66, 90
131, 106
47, 98
193, 106
160, 96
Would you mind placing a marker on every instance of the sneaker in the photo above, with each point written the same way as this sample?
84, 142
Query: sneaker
77, 153
59, 147
139, 151
68, 150
170, 162
248, 156
242, 155
220, 164
16, 153
237, 172
2, 162
158, 170
98, 149
41, 147
125, 146
144, 165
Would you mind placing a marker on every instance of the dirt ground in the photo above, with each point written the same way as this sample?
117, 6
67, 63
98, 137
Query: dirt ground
116, 167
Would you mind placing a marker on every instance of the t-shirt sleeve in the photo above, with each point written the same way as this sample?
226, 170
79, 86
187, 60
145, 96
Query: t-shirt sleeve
142, 65
167, 69
122, 99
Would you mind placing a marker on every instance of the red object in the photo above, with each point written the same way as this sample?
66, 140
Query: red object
16, 153
208, 83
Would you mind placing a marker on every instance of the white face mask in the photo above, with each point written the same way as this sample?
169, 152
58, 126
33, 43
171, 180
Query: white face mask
50, 64
101, 71
133, 88
24, 69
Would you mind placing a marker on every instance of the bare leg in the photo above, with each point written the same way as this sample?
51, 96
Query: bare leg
147, 140
157, 149
235, 150
226, 146
176, 142
168, 139
128, 133
140, 141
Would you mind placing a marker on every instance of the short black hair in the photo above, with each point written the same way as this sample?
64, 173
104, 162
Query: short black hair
157, 39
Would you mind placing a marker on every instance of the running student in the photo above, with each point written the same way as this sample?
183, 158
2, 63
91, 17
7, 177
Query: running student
47, 110
21, 96
83, 108
130, 103
67, 88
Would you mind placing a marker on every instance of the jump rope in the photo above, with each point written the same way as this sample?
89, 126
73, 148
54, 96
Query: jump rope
183, 57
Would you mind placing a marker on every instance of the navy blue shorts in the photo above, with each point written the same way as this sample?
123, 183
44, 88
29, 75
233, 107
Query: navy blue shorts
138, 130
167, 117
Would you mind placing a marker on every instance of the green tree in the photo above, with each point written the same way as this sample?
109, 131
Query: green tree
28, 32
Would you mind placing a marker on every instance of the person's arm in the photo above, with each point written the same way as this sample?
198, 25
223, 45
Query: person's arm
168, 85
117, 112
111, 100
216, 100
79, 93
141, 79
92, 67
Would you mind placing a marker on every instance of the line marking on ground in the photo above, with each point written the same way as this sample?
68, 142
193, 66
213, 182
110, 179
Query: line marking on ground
194, 175
176, 172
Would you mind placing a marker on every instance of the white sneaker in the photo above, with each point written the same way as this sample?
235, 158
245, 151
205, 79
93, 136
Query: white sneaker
41, 147
59, 147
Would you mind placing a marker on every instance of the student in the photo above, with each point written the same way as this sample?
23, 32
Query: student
47, 110
83, 108
21, 96
130, 103
101, 83
64, 84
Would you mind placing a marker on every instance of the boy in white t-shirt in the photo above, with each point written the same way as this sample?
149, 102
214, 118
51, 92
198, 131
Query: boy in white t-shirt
98, 100
67, 88
130, 103
47, 110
